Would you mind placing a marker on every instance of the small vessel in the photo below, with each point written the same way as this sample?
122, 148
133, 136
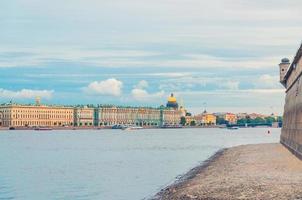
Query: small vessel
43, 129
171, 126
233, 128
132, 128
117, 126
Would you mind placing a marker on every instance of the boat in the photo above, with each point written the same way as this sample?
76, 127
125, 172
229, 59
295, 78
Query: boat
132, 128
117, 126
171, 126
43, 129
233, 128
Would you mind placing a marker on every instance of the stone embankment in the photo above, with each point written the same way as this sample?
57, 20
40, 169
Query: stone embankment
263, 171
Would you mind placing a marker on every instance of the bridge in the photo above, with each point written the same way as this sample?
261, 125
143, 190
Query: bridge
254, 125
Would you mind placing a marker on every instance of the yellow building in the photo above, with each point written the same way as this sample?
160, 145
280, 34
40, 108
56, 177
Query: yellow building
230, 117
209, 119
16, 115
205, 119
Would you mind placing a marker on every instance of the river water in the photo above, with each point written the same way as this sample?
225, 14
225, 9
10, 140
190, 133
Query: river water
108, 164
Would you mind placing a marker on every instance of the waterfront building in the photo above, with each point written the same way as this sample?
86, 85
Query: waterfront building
17, 115
83, 116
170, 116
209, 119
256, 115
205, 119
230, 117
134, 116
242, 116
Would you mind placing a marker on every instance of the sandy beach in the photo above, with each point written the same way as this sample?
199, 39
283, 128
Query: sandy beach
262, 171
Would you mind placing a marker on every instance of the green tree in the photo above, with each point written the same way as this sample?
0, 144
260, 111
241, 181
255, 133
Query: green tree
259, 120
193, 123
221, 120
242, 121
183, 121
270, 119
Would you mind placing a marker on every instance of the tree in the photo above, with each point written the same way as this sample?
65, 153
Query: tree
183, 121
259, 120
242, 121
221, 120
192, 123
270, 119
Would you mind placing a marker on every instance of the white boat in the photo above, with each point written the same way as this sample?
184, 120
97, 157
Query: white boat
43, 129
233, 128
132, 128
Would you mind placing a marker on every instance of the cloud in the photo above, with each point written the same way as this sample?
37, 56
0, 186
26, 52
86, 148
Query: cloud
230, 85
140, 93
267, 81
142, 84
143, 95
111, 87
25, 94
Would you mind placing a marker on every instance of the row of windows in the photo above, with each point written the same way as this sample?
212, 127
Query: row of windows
43, 116
39, 123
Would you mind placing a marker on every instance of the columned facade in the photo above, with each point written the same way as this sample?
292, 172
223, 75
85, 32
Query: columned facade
133, 116
29, 116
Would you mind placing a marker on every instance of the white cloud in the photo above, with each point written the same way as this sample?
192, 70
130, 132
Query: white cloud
267, 81
230, 85
25, 94
111, 87
140, 93
143, 95
142, 84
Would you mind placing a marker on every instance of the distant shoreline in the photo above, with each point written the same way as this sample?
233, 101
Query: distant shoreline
261, 171
106, 128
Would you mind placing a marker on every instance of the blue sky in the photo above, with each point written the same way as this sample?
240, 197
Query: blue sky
222, 54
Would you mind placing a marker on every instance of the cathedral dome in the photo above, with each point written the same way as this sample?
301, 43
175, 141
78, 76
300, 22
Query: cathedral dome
172, 102
172, 99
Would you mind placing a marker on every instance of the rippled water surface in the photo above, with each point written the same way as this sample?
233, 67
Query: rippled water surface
107, 164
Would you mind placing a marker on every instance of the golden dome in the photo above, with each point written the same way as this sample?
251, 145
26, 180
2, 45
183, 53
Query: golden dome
172, 99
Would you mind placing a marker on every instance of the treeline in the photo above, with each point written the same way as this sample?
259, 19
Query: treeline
258, 120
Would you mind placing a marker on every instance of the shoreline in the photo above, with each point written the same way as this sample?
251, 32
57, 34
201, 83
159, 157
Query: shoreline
106, 128
191, 174
257, 171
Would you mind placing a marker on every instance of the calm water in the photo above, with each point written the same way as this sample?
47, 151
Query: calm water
107, 164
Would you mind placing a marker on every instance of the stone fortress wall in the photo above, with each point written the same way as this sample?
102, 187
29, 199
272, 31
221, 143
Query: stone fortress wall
290, 77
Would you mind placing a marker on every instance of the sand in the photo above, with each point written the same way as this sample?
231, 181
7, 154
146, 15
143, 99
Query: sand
262, 171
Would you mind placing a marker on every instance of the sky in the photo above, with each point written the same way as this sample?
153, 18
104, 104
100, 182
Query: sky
219, 55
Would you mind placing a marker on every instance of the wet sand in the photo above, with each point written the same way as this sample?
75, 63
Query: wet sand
262, 171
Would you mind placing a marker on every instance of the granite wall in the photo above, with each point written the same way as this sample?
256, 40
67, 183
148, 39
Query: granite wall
291, 135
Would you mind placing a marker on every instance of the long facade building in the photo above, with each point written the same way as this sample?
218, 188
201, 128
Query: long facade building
290, 78
16, 115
